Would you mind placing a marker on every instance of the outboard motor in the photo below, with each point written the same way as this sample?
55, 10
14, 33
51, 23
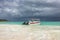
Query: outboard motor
26, 23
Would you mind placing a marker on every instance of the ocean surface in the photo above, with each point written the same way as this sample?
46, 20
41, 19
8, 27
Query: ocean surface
57, 23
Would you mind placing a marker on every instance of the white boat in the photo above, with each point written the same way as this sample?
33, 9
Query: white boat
32, 22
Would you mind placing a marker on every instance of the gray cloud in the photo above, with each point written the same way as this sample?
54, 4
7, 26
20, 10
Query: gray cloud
22, 8
43, 8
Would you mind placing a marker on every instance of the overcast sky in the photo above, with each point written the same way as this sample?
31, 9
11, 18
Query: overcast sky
10, 9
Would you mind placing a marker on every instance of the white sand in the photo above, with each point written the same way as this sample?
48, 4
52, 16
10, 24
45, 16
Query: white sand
29, 32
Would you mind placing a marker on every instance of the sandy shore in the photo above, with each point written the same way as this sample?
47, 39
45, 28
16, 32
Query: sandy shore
29, 32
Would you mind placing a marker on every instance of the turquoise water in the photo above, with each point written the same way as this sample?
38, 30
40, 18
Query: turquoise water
19, 23
50, 23
42, 23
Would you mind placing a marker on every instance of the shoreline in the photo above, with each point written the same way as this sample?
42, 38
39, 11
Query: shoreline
37, 26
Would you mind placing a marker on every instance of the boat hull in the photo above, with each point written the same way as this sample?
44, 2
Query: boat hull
34, 23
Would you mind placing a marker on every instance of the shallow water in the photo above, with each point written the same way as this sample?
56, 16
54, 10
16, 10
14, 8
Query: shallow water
28, 32
50, 23
42, 23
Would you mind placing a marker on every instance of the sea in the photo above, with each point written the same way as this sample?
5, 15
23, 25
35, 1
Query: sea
57, 23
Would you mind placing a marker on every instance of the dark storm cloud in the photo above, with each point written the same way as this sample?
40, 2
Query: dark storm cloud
47, 8
22, 8
43, 8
